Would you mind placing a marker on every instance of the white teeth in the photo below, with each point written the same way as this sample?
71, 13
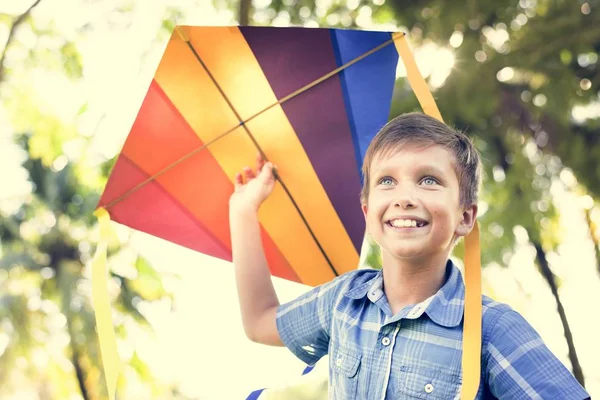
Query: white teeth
404, 223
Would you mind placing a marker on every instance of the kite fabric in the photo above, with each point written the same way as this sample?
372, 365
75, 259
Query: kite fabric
309, 100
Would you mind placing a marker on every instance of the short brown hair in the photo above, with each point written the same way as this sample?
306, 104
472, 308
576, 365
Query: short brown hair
421, 129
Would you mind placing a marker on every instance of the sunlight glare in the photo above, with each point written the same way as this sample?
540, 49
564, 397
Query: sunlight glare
434, 62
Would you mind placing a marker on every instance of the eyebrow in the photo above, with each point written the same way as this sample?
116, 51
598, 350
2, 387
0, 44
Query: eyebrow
425, 169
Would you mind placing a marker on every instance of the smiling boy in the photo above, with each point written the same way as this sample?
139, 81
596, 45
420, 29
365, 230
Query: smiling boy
397, 333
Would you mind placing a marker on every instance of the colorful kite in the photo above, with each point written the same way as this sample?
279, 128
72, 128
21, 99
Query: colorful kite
308, 100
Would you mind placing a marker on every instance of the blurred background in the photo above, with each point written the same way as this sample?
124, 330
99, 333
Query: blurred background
521, 77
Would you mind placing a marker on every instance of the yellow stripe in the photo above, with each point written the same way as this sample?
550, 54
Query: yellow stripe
471, 357
246, 87
104, 325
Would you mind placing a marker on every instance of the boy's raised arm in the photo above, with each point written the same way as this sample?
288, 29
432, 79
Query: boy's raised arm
257, 297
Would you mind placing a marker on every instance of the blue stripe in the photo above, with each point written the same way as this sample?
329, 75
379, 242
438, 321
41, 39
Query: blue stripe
339, 62
308, 369
254, 395
367, 85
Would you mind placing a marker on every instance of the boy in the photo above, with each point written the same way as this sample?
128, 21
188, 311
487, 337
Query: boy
397, 333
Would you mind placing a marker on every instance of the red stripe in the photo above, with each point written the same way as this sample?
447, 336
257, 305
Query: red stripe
152, 210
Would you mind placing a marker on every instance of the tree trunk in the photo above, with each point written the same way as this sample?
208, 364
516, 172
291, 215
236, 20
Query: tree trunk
79, 372
595, 238
549, 276
244, 16
65, 286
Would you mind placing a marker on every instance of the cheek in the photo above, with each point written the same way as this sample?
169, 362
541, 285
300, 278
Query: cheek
375, 211
381, 199
441, 216
378, 209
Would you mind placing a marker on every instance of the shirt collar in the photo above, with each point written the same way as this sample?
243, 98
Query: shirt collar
361, 290
444, 308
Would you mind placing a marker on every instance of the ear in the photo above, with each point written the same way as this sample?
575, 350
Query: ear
365, 209
469, 217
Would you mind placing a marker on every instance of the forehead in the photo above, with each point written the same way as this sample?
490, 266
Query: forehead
414, 155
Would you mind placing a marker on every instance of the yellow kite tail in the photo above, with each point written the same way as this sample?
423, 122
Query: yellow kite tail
101, 303
471, 357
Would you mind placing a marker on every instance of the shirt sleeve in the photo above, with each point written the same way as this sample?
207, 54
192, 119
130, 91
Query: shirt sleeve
520, 365
304, 324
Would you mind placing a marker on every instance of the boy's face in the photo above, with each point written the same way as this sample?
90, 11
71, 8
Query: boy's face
413, 209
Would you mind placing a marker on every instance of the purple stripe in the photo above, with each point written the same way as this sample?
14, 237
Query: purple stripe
291, 58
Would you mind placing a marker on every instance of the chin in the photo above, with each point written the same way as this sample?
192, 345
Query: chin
406, 253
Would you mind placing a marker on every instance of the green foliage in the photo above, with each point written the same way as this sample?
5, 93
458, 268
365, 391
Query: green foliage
373, 257
148, 284
46, 243
71, 60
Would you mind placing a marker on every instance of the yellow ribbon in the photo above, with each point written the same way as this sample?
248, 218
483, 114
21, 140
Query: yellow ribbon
101, 303
471, 357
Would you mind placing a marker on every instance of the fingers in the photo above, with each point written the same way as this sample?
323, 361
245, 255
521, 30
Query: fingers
248, 174
260, 162
238, 181
267, 173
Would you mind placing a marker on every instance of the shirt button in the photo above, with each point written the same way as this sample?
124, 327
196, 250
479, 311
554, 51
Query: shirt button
385, 341
429, 388
338, 362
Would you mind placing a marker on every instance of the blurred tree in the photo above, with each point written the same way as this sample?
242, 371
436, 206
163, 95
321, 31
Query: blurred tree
47, 235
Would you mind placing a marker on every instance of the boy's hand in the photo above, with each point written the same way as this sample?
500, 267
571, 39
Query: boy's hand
252, 188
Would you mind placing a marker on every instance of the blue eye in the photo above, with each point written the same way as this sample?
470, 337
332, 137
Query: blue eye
428, 181
386, 181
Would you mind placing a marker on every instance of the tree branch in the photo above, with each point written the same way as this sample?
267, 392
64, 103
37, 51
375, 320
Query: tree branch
16, 23
549, 277
595, 239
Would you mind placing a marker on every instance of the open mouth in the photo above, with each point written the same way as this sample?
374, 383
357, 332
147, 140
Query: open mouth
407, 223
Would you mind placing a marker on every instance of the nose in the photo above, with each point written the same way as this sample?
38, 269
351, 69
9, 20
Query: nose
405, 196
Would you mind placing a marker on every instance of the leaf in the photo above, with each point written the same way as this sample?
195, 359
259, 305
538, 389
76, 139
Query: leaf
148, 283
72, 62
140, 367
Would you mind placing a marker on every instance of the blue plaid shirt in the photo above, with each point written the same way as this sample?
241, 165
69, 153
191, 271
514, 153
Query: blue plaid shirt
416, 354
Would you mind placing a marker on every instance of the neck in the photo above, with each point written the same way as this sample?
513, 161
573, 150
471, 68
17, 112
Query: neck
411, 282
